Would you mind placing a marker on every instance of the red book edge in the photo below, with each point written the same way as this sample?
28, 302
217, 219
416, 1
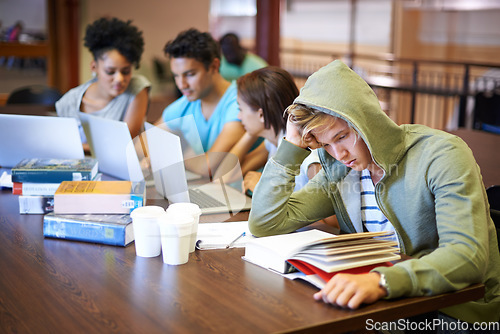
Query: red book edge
17, 188
309, 269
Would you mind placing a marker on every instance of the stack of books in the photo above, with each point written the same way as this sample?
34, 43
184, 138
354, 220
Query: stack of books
36, 180
95, 211
76, 203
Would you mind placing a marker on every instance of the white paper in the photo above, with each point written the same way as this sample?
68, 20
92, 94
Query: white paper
220, 235
6, 180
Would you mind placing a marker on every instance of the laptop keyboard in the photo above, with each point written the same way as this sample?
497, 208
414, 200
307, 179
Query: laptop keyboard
203, 199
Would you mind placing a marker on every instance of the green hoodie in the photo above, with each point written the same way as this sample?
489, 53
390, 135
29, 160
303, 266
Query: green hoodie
432, 193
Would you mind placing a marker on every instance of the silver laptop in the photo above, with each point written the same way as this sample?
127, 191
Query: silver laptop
28, 136
111, 144
169, 174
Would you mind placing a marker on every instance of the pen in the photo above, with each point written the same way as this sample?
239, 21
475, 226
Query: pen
237, 238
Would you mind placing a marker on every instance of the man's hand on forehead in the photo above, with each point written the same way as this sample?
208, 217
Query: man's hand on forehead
311, 141
294, 136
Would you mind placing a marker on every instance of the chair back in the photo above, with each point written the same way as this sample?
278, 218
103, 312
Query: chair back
35, 94
487, 111
493, 193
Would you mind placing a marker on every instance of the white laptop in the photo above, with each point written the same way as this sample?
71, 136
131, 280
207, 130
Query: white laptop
167, 165
28, 136
111, 144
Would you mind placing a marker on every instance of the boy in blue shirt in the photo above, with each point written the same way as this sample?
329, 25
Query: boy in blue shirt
206, 116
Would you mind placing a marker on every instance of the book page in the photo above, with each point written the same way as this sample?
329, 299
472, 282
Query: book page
344, 256
353, 243
313, 279
391, 246
352, 236
273, 251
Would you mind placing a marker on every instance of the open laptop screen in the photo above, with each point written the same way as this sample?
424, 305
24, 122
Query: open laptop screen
28, 136
111, 144
167, 164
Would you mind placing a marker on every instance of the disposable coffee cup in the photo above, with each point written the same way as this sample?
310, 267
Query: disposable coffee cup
175, 237
145, 223
193, 210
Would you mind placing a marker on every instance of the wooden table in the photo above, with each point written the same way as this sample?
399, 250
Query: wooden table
59, 286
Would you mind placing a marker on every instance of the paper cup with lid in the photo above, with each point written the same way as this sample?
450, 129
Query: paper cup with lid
145, 222
175, 237
190, 209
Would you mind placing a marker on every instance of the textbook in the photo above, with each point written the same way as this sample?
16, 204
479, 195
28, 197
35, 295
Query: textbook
318, 249
39, 189
99, 197
113, 230
34, 189
54, 170
36, 204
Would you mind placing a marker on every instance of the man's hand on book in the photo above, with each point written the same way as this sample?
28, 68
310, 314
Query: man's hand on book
350, 291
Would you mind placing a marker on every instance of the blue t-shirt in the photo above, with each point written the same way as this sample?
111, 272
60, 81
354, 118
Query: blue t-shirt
186, 119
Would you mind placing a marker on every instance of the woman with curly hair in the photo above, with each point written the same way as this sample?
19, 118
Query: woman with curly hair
113, 92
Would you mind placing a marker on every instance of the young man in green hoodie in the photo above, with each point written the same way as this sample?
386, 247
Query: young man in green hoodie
422, 183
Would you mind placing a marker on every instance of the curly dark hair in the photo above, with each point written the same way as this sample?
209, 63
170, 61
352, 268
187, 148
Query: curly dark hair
194, 44
107, 34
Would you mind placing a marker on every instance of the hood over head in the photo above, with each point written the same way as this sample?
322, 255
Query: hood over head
337, 90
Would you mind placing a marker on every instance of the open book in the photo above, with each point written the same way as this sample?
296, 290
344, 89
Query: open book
315, 252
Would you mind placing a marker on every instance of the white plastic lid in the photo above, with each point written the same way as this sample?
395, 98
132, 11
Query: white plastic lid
178, 218
149, 211
192, 208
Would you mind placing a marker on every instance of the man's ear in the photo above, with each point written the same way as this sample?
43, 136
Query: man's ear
215, 65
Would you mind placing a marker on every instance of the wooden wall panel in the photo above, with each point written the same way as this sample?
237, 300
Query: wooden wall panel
63, 64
